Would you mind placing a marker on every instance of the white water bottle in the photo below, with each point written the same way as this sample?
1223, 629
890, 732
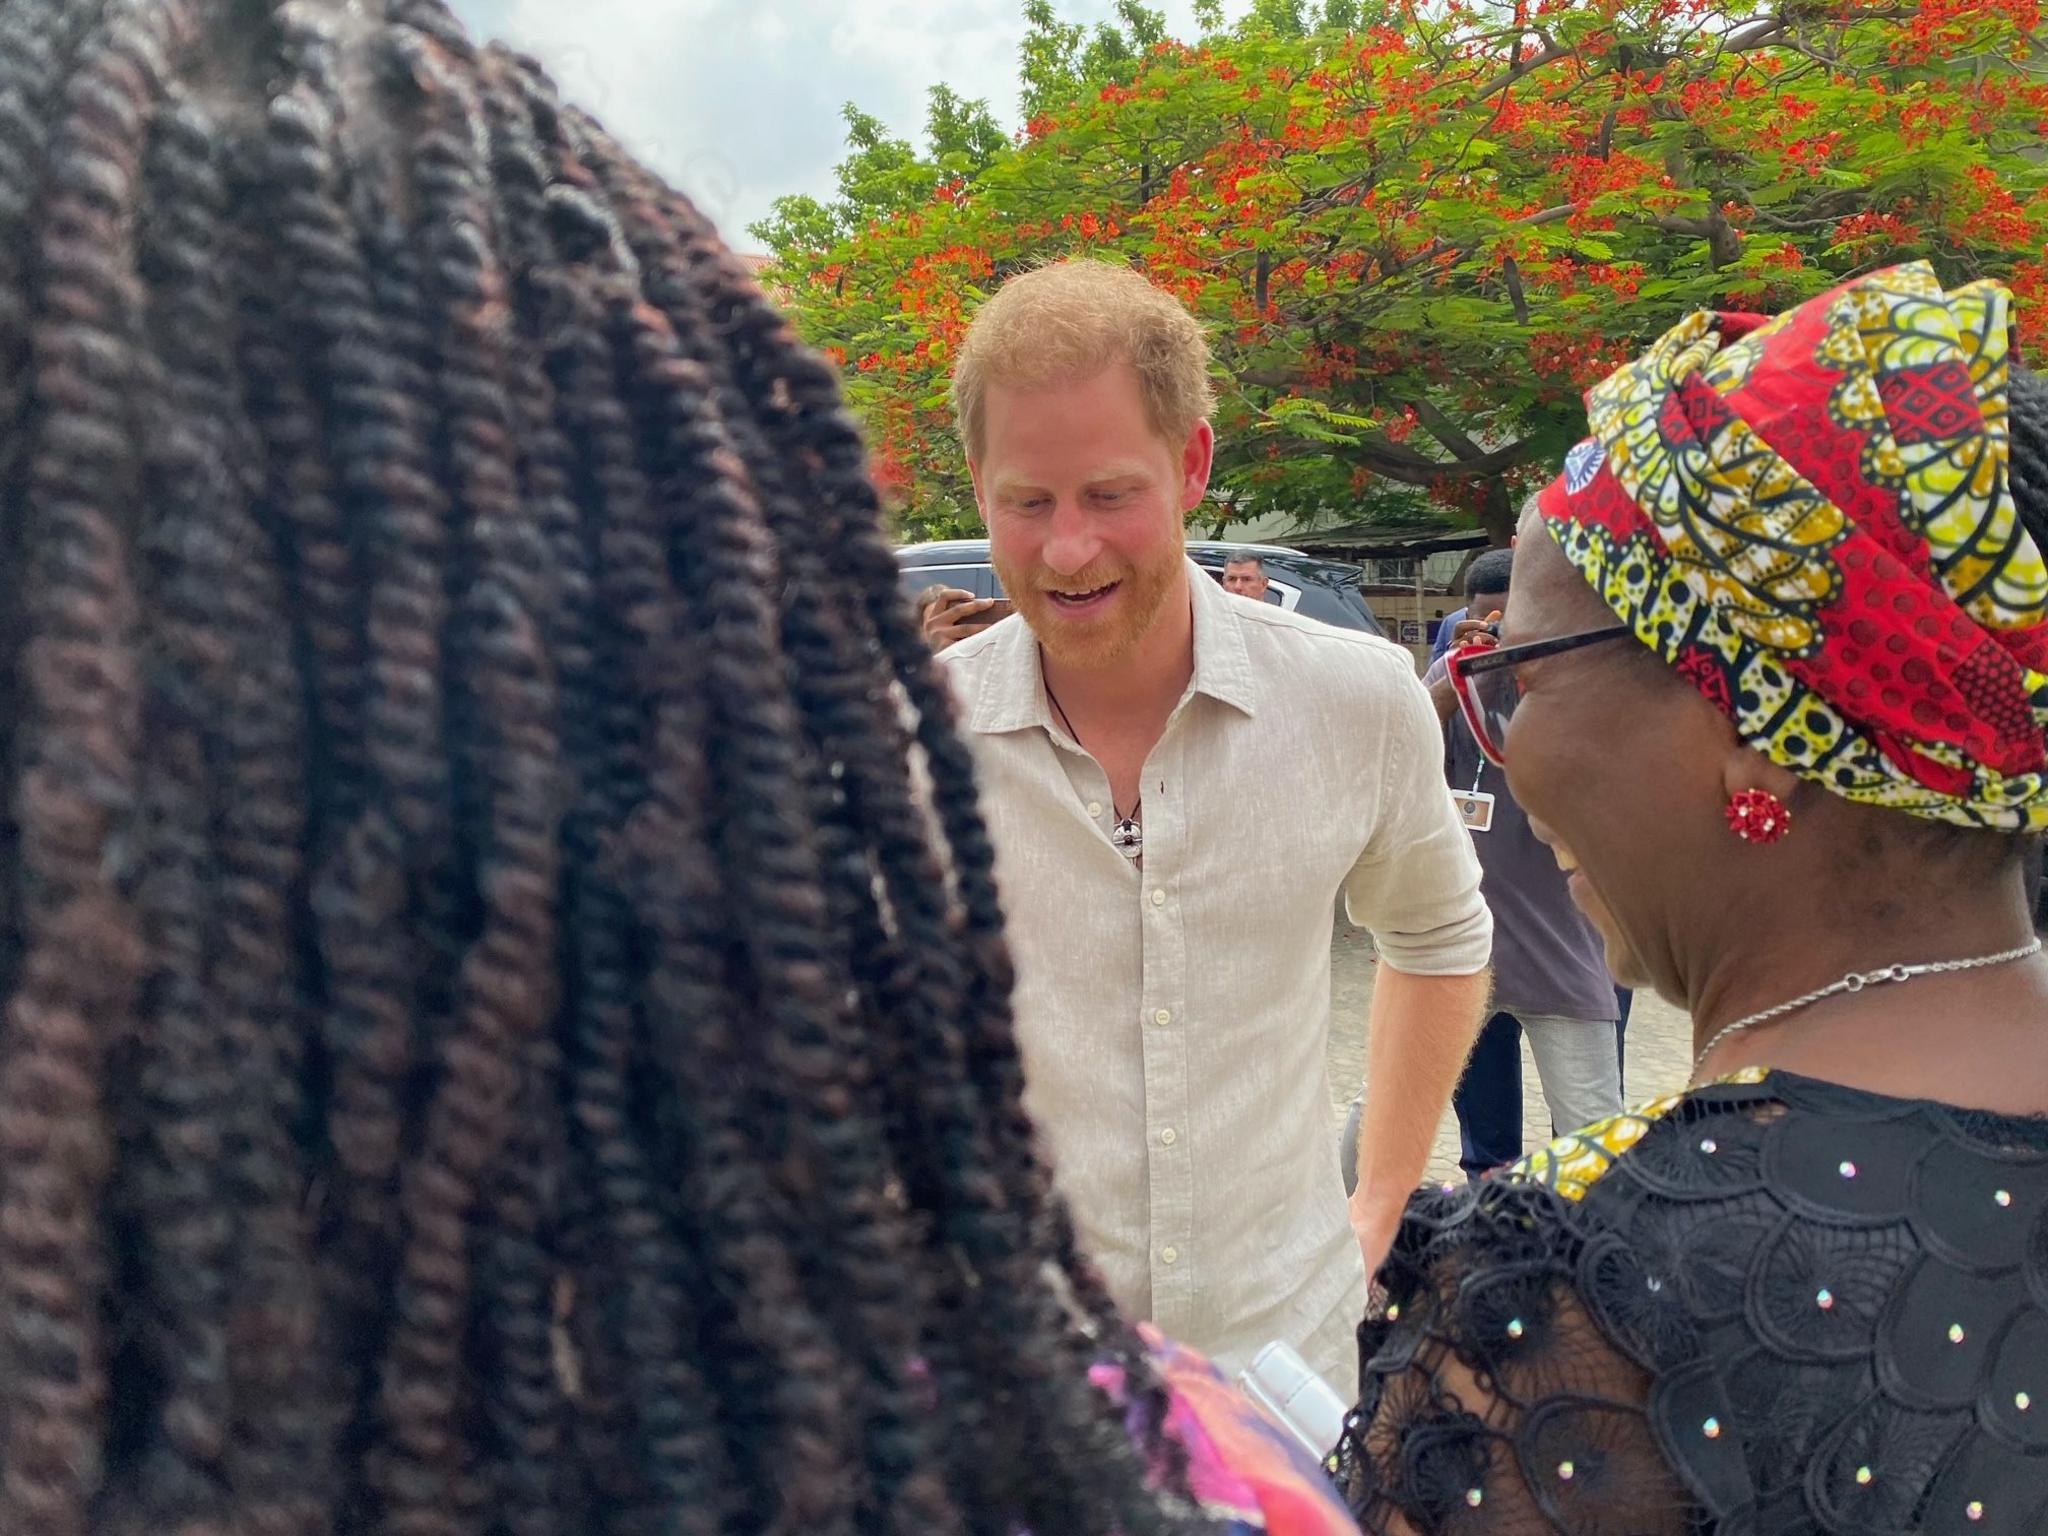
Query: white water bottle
1280, 1382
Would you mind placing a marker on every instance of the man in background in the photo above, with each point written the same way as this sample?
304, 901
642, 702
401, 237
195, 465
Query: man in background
1246, 576
948, 615
1447, 632
1549, 968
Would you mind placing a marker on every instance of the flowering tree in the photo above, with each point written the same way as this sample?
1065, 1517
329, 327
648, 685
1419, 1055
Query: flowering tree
1417, 232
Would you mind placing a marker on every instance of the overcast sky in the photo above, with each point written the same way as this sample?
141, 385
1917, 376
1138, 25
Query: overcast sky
737, 101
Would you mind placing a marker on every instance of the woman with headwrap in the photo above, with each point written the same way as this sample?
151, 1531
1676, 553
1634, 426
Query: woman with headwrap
1777, 665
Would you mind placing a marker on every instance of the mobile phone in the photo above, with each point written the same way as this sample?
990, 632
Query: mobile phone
999, 608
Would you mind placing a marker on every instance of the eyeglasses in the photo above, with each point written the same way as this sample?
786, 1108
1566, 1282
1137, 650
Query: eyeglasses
1488, 690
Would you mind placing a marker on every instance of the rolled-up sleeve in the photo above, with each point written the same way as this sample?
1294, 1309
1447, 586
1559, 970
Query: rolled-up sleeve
1416, 886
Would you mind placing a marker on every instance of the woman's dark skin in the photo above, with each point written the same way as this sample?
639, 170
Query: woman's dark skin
1726, 928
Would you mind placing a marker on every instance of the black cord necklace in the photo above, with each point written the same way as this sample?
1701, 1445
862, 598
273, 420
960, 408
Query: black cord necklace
1128, 835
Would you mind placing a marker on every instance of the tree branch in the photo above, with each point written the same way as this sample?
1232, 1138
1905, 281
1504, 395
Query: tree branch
1744, 39
1395, 461
1511, 272
1414, 469
1523, 69
1760, 33
1724, 245
1437, 248
1446, 431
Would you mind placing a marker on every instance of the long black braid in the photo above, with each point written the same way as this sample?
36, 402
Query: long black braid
2027, 399
989, 1191
788, 386
507, 1023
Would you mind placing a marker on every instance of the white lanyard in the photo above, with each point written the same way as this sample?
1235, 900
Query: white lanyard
1475, 808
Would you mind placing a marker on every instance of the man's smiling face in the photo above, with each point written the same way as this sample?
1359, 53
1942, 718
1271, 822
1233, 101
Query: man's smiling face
1085, 504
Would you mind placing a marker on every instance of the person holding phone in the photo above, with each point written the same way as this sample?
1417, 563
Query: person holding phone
1550, 979
949, 615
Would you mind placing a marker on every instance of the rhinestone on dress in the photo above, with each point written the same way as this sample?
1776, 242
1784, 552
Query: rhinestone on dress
1394, 1313
1976, 1510
1475, 1497
1863, 1476
2022, 1401
1710, 1146
1711, 1429
1825, 1300
2003, 1197
1955, 1333
1515, 1328
1566, 1471
1847, 1170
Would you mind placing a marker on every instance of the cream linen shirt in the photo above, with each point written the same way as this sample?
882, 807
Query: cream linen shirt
1174, 1015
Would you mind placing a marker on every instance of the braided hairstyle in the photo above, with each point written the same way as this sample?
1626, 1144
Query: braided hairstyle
2027, 403
506, 1020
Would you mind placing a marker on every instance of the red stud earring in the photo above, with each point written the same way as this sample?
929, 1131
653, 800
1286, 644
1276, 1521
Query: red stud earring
1758, 816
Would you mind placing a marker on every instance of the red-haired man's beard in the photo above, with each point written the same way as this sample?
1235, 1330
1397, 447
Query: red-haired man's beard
1097, 616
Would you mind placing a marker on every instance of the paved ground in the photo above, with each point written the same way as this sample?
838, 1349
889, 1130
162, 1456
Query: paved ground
1659, 1047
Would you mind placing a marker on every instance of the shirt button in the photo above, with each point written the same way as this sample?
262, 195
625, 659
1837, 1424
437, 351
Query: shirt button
1169, 1136
1169, 1255
1094, 807
1159, 898
1163, 1017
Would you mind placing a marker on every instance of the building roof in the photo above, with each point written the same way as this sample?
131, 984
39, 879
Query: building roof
1390, 541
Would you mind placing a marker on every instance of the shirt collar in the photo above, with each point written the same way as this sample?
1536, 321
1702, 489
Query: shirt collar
1012, 695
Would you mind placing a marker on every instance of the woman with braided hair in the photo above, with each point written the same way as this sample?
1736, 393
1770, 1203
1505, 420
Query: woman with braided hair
1773, 683
506, 1016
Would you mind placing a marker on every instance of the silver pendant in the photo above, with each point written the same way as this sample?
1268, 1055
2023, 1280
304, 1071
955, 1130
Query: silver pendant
1128, 838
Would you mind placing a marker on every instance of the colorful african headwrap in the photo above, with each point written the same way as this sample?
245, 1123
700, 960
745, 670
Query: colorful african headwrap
1810, 519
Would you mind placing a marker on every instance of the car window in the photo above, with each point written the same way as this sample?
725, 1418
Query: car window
977, 579
1352, 597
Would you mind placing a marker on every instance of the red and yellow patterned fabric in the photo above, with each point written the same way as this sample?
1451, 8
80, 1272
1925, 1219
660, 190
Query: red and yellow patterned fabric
1810, 518
1243, 1469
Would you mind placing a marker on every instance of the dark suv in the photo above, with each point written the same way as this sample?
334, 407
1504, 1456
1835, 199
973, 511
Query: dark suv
1327, 590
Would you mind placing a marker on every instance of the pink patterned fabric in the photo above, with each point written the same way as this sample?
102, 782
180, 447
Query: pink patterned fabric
1243, 1468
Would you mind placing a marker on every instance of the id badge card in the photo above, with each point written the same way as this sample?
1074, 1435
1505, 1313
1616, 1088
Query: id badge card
1475, 809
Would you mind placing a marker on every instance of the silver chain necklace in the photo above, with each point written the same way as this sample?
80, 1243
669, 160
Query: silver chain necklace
1856, 981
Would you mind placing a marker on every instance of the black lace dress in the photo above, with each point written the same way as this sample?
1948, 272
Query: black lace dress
1771, 1307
